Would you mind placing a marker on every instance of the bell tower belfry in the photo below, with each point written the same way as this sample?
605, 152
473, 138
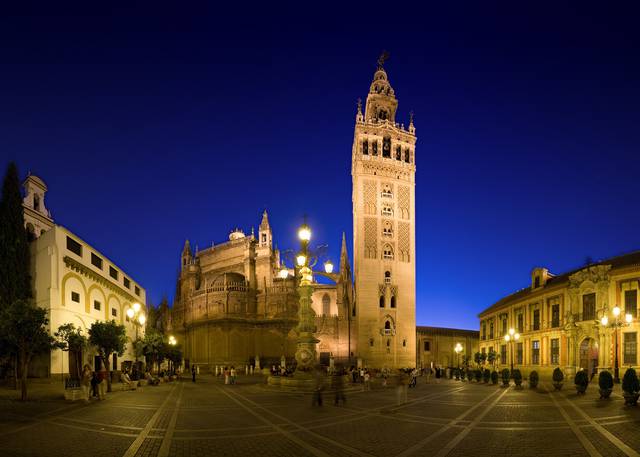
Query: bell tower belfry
383, 179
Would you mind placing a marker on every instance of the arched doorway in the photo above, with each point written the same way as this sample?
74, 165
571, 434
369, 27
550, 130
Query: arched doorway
589, 355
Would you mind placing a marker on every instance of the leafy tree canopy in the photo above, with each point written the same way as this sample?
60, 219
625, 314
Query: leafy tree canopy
108, 337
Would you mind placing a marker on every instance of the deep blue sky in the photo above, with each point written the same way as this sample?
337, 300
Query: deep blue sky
151, 124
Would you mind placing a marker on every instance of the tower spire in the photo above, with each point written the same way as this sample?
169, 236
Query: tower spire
344, 256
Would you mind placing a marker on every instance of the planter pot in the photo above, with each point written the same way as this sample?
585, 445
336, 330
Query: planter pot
631, 398
604, 393
581, 389
73, 394
557, 385
518, 383
533, 386
505, 384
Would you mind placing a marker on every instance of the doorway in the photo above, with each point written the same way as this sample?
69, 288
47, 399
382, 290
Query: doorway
589, 355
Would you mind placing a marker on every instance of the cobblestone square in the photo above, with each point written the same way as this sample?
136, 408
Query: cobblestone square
209, 418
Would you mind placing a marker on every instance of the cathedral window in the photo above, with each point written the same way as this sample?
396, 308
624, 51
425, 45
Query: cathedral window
387, 253
387, 277
365, 147
386, 147
387, 210
374, 147
381, 301
386, 191
326, 304
398, 152
36, 202
371, 342
387, 229
393, 301
407, 155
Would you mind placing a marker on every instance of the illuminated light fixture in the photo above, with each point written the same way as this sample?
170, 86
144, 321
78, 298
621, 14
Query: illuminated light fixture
284, 273
511, 331
507, 337
328, 267
130, 313
516, 336
604, 320
142, 319
458, 348
628, 318
136, 307
304, 233
616, 311
301, 259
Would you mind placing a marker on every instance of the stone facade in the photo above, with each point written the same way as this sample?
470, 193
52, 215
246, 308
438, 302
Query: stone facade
383, 172
75, 283
233, 305
436, 346
559, 319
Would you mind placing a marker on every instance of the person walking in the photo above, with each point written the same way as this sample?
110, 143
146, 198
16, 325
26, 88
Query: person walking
367, 378
102, 382
317, 388
85, 382
338, 387
193, 373
233, 375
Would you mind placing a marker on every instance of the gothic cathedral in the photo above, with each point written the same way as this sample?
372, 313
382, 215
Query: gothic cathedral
383, 172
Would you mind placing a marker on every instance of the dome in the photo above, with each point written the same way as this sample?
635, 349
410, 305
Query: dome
236, 234
228, 278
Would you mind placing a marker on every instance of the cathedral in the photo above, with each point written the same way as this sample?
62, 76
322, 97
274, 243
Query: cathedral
237, 304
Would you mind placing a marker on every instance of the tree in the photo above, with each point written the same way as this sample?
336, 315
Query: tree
108, 338
15, 280
491, 357
25, 335
174, 355
477, 358
71, 339
154, 347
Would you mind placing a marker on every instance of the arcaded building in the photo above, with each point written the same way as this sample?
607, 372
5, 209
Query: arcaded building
559, 319
436, 346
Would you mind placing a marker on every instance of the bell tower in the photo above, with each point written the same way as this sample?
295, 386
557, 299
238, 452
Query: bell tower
383, 180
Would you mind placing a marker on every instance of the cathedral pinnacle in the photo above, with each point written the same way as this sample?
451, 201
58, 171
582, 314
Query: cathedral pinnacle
264, 224
359, 117
381, 60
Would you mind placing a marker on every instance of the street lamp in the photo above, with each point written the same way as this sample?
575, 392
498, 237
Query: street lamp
138, 318
458, 350
628, 318
511, 337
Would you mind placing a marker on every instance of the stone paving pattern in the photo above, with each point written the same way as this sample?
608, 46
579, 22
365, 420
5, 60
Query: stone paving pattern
208, 418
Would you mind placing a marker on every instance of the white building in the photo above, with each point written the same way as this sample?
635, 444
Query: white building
76, 284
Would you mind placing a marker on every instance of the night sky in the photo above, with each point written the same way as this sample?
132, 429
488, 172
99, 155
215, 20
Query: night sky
151, 124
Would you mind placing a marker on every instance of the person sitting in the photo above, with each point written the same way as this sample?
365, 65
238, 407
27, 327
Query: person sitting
126, 380
150, 379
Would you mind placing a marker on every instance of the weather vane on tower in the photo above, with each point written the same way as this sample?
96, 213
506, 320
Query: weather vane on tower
383, 57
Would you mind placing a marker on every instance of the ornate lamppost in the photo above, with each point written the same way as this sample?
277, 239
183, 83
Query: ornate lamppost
138, 318
511, 338
615, 324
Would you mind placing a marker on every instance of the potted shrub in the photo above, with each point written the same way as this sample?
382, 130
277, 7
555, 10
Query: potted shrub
505, 377
456, 373
605, 381
581, 381
517, 377
469, 374
630, 387
461, 374
533, 379
494, 377
486, 375
478, 375
558, 377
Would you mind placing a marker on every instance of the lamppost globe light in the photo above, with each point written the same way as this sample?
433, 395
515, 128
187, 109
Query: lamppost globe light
304, 233
507, 337
301, 259
142, 319
616, 311
328, 267
511, 331
604, 320
628, 318
130, 313
516, 336
284, 273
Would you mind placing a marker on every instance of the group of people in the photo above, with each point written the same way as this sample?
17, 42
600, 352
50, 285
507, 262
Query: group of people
93, 384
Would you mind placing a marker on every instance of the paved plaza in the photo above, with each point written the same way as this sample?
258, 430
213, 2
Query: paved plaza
209, 418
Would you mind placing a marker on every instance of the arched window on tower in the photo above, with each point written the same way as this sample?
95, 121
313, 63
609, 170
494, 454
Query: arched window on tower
386, 191
381, 301
374, 148
398, 152
36, 202
387, 229
393, 301
365, 147
387, 210
407, 155
387, 278
326, 305
387, 252
386, 147
382, 115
